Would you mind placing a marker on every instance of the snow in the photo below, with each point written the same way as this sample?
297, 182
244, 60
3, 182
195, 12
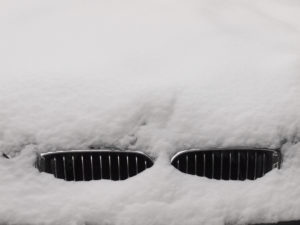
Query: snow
156, 76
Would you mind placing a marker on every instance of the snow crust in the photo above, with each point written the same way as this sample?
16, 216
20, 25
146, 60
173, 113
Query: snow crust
156, 76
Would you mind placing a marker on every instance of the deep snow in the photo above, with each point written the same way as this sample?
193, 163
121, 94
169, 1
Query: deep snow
156, 76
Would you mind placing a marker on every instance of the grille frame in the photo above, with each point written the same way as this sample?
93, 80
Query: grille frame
106, 159
276, 161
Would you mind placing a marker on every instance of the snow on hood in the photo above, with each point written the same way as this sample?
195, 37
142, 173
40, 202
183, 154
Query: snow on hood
156, 76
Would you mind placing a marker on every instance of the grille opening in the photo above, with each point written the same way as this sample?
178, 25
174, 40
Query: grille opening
93, 165
235, 164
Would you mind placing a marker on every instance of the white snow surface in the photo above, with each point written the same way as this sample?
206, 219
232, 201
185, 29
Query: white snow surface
156, 76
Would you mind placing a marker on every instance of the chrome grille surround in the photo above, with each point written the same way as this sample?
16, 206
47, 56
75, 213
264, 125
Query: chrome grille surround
227, 164
85, 165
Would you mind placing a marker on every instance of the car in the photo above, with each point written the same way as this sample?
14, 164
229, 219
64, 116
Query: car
149, 112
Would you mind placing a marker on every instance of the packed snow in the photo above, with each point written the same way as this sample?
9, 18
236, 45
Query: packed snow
154, 76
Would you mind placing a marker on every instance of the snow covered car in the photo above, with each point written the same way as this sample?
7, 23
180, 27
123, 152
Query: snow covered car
149, 112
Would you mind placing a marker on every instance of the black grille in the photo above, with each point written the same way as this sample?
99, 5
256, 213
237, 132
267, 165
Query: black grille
93, 165
235, 164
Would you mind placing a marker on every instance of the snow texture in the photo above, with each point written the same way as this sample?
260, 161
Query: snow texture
157, 76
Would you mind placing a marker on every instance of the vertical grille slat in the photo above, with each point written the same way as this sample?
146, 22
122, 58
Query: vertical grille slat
109, 167
85, 165
55, 167
92, 166
73, 168
255, 165
230, 164
247, 165
264, 164
119, 168
101, 167
127, 166
82, 167
212, 165
136, 165
239, 166
186, 164
204, 162
65, 169
221, 166
196, 172
227, 164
